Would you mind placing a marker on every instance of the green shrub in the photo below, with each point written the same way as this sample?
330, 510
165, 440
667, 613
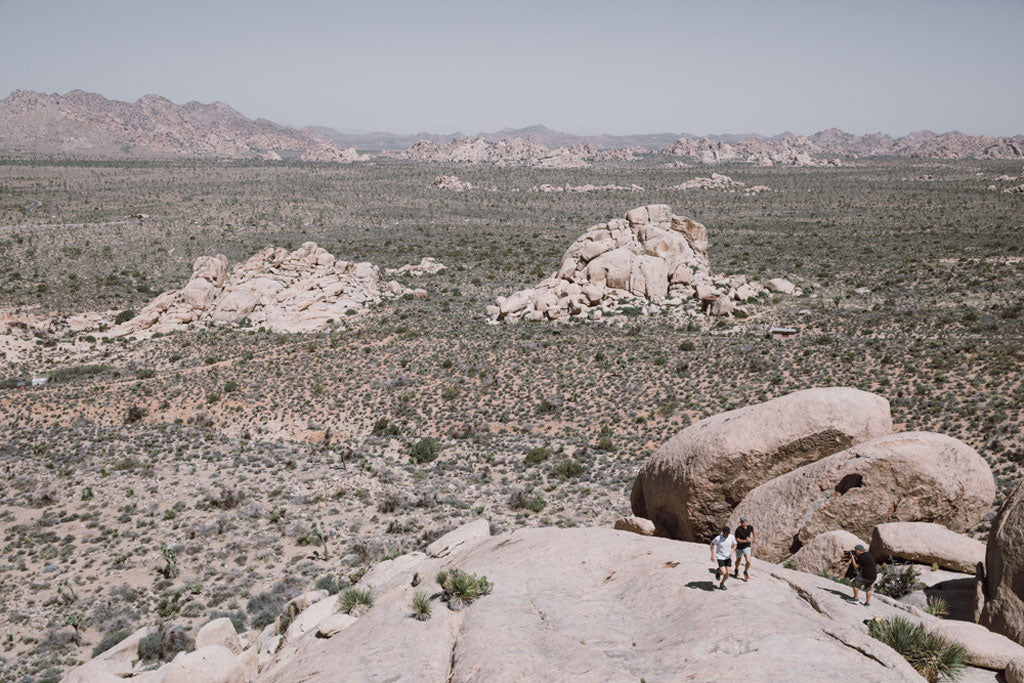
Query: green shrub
356, 601
265, 607
425, 450
536, 456
384, 428
124, 316
459, 589
937, 607
567, 468
931, 656
164, 643
605, 444
145, 374
896, 582
421, 605
310, 537
110, 640
331, 583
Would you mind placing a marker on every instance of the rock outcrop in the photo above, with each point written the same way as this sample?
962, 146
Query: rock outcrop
426, 266
905, 477
719, 181
650, 255
452, 183
927, 543
1004, 562
504, 152
300, 291
585, 188
692, 483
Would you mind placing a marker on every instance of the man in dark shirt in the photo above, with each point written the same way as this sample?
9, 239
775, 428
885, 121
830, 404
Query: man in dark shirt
745, 538
863, 564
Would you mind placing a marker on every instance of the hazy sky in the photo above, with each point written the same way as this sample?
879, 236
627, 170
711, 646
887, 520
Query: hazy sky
588, 67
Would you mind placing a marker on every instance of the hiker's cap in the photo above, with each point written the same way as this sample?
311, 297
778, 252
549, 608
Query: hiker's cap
860, 547
743, 520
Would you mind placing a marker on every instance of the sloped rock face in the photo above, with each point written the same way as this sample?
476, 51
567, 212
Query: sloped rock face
615, 611
927, 543
298, 291
649, 255
906, 477
692, 483
1004, 563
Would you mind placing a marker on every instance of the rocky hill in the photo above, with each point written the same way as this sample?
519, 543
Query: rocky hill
80, 123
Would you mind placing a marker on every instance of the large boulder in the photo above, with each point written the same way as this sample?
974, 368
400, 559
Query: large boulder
1004, 560
210, 664
692, 483
219, 632
824, 553
906, 477
928, 543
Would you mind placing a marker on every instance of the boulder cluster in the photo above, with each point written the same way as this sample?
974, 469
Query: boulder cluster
806, 464
649, 256
585, 188
719, 181
452, 183
299, 291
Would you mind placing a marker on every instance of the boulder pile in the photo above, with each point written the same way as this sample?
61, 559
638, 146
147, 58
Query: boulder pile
585, 188
299, 291
426, 266
720, 181
649, 256
452, 183
813, 462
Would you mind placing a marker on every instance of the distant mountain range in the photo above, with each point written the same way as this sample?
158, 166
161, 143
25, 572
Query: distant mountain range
87, 124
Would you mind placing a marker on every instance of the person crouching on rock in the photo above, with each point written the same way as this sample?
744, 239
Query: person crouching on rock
745, 538
721, 551
862, 564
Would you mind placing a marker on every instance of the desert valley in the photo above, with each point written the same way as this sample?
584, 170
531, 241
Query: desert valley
289, 404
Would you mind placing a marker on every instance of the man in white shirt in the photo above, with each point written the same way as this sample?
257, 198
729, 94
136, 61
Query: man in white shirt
721, 551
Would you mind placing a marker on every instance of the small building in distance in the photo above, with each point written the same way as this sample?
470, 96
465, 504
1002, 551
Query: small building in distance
782, 332
39, 381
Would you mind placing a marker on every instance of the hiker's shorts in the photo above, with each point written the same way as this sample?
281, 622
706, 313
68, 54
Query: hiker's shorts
727, 562
740, 552
861, 582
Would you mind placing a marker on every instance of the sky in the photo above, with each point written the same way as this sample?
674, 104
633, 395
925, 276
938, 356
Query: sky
588, 67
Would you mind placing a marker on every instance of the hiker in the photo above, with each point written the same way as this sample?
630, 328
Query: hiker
863, 565
721, 551
745, 538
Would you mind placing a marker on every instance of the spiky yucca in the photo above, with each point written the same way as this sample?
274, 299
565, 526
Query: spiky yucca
933, 657
421, 605
356, 601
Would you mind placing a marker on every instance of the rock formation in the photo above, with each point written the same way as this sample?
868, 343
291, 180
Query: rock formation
650, 255
825, 553
452, 183
1004, 569
283, 291
694, 481
927, 543
85, 123
508, 152
718, 181
905, 477
585, 188
426, 266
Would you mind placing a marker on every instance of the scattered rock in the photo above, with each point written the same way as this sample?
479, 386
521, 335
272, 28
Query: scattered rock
426, 266
927, 543
636, 525
719, 181
693, 482
906, 477
451, 182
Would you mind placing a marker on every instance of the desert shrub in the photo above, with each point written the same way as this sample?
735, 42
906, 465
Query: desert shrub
536, 456
356, 601
310, 537
265, 607
110, 640
147, 373
237, 617
226, 498
135, 413
332, 583
567, 468
546, 407
421, 605
425, 450
897, 582
167, 641
383, 427
124, 316
459, 589
931, 656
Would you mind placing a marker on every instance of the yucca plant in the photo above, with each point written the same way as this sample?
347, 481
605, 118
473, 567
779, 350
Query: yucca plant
421, 605
461, 588
931, 656
937, 607
356, 601
896, 582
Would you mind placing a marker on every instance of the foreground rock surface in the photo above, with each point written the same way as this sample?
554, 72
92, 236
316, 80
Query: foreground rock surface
535, 626
927, 543
906, 477
693, 482
1004, 563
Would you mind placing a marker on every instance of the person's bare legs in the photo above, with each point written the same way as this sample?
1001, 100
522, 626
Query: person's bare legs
867, 597
856, 594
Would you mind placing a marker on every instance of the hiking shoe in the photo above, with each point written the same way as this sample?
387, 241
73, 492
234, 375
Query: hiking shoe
722, 587
746, 577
